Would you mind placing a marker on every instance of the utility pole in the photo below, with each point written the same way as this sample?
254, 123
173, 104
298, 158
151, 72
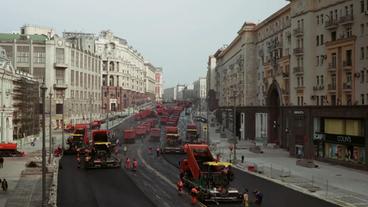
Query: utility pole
62, 124
43, 91
50, 134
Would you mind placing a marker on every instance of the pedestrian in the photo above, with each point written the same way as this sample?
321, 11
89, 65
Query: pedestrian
1, 162
4, 185
259, 197
242, 158
180, 186
135, 164
117, 142
194, 193
78, 158
127, 163
158, 151
246, 198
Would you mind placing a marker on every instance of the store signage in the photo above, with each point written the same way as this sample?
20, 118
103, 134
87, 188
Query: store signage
345, 139
299, 112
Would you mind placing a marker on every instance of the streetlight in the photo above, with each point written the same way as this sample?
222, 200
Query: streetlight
62, 123
43, 91
50, 122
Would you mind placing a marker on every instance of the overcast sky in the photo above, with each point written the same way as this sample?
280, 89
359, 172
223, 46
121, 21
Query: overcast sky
177, 35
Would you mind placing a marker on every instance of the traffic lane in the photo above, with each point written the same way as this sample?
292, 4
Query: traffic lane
99, 187
275, 194
158, 186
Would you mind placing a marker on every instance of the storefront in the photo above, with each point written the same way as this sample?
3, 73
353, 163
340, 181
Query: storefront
342, 140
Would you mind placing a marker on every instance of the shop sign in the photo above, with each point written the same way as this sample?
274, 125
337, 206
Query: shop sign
299, 112
345, 139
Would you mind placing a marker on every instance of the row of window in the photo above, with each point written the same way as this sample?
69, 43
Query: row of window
84, 95
85, 80
84, 109
333, 15
80, 60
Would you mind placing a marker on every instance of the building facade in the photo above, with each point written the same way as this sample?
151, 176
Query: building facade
311, 71
123, 71
159, 84
6, 101
150, 81
169, 94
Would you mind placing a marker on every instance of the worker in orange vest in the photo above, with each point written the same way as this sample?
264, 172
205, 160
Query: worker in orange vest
135, 165
127, 163
194, 193
180, 186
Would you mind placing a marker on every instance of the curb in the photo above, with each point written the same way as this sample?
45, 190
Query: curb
54, 185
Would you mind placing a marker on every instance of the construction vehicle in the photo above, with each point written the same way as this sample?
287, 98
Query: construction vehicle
99, 153
192, 133
129, 136
10, 150
210, 177
155, 134
173, 143
78, 139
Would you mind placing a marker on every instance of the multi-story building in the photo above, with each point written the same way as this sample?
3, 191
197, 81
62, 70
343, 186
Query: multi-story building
311, 73
6, 101
169, 94
68, 69
123, 72
179, 92
159, 84
150, 81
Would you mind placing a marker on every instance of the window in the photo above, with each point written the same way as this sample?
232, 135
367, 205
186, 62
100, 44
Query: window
361, 6
362, 53
317, 57
76, 77
60, 55
317, 40
22, 54
39, 55
322, 80
317, 20
81, 79
333, 36
317, 80
362, 78
72, 57
322, 42
362, 98
321, 18
366, 54
72, 77
361, 29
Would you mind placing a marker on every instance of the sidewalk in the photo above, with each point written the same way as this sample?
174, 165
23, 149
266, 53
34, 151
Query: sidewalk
25, 183
338, 184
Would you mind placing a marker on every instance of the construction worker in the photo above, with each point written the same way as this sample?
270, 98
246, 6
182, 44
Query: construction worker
259, 196
135, 164
246, 198
194, 193
78, 158
180, 186
158, 151
127, 163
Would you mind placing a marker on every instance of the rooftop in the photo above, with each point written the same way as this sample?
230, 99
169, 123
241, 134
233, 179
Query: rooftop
9, 36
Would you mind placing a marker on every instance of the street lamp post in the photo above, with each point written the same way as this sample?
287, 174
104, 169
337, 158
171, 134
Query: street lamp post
50, 122
62, 123
43, 91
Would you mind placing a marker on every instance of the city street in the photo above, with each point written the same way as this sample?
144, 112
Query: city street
154, 183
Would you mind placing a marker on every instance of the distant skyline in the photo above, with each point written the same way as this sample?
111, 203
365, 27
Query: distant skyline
175, 35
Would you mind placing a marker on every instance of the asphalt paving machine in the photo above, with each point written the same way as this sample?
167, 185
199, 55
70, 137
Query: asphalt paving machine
212, 178
99, 153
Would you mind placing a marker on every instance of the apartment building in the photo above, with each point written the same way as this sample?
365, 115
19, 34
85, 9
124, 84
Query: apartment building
159, 84
123, 72
311, 71
149, 80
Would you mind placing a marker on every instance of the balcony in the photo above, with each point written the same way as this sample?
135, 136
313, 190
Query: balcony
298, 32
331, 67
298, 51
60, 64
60, 84
331, 24
331, 87
299, 89
298, 70
347, 19
347, 86
347, 65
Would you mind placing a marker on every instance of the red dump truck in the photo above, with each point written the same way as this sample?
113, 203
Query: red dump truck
99, 153
155, 134
172, 143
10, 150
129, 135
